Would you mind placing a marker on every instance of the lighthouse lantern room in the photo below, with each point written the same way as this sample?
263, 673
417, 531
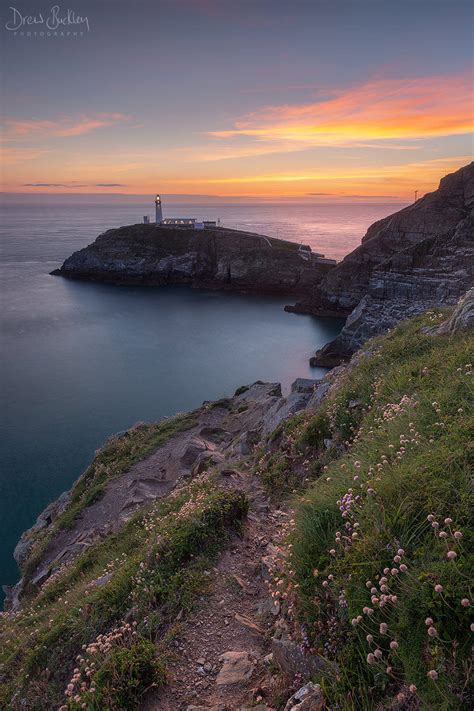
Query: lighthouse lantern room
158, 210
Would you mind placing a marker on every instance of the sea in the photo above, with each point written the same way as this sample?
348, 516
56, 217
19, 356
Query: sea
81, 361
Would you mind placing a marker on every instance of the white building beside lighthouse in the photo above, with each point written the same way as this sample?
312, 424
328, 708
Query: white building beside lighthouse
158, 210
178, 221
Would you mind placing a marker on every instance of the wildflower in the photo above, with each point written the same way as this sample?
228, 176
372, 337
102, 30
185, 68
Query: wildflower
430, 518
332, 551
403, 568
448, 521
378, 653
354, 621
383, 628
442, 534
438, 588
394, 571
370, 658
457, 535
432, 631
465, 602
393, 644
428, 621
451, 555
413, 688
400, 552
432, 674
370, 638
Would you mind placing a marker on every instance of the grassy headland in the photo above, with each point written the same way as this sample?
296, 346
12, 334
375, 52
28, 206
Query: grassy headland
380, 560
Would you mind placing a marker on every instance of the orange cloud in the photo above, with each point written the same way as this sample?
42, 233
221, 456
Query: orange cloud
65, 126
383, 109
11, 156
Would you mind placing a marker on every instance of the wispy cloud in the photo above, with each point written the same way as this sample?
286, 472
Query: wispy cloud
74, 185
13, 155
370, 114
61, 127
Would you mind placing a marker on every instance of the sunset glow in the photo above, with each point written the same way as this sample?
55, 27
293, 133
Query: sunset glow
285, 127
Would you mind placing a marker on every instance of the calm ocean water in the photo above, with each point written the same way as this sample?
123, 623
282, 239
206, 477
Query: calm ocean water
81, 361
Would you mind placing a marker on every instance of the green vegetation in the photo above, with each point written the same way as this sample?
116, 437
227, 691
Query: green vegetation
240, 391
380, 569
118, 455
95, 632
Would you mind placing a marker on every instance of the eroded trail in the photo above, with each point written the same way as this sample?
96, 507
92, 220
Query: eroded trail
219, 657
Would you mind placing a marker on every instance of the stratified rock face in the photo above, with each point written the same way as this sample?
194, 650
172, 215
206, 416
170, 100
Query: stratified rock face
431, 265
212, 258
390, 245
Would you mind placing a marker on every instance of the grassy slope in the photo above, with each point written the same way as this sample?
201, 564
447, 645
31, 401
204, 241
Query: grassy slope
117, 456
398, 434
114, 607
398, 420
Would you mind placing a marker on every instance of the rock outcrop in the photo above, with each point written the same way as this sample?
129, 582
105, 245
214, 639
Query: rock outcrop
462, 318
420, 257
217, 258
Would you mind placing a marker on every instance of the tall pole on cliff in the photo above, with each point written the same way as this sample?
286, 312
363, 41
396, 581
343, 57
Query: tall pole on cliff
416, 195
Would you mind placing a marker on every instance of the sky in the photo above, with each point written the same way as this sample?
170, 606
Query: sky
311, 100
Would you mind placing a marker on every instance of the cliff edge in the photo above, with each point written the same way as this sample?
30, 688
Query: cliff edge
218, 258
418, 258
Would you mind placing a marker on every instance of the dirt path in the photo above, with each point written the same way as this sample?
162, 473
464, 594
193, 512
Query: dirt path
235, 616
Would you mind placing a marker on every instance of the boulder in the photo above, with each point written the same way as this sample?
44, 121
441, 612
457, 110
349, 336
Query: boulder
304, 385
308, 698
237, 668
193, 449
247, 441
292, 660
283, 409
206, 460
462, 318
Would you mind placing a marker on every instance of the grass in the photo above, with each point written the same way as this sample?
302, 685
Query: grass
126, 590
118, 455
400, 425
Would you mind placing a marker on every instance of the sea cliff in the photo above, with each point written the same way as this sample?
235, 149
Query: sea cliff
214, 258
418, 258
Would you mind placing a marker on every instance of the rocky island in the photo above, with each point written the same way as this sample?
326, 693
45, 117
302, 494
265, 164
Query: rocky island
214, 258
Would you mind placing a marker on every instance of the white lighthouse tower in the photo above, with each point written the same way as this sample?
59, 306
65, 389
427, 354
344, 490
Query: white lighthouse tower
158, 211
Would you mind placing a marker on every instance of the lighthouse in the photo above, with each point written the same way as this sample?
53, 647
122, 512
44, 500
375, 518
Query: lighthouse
158, 211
